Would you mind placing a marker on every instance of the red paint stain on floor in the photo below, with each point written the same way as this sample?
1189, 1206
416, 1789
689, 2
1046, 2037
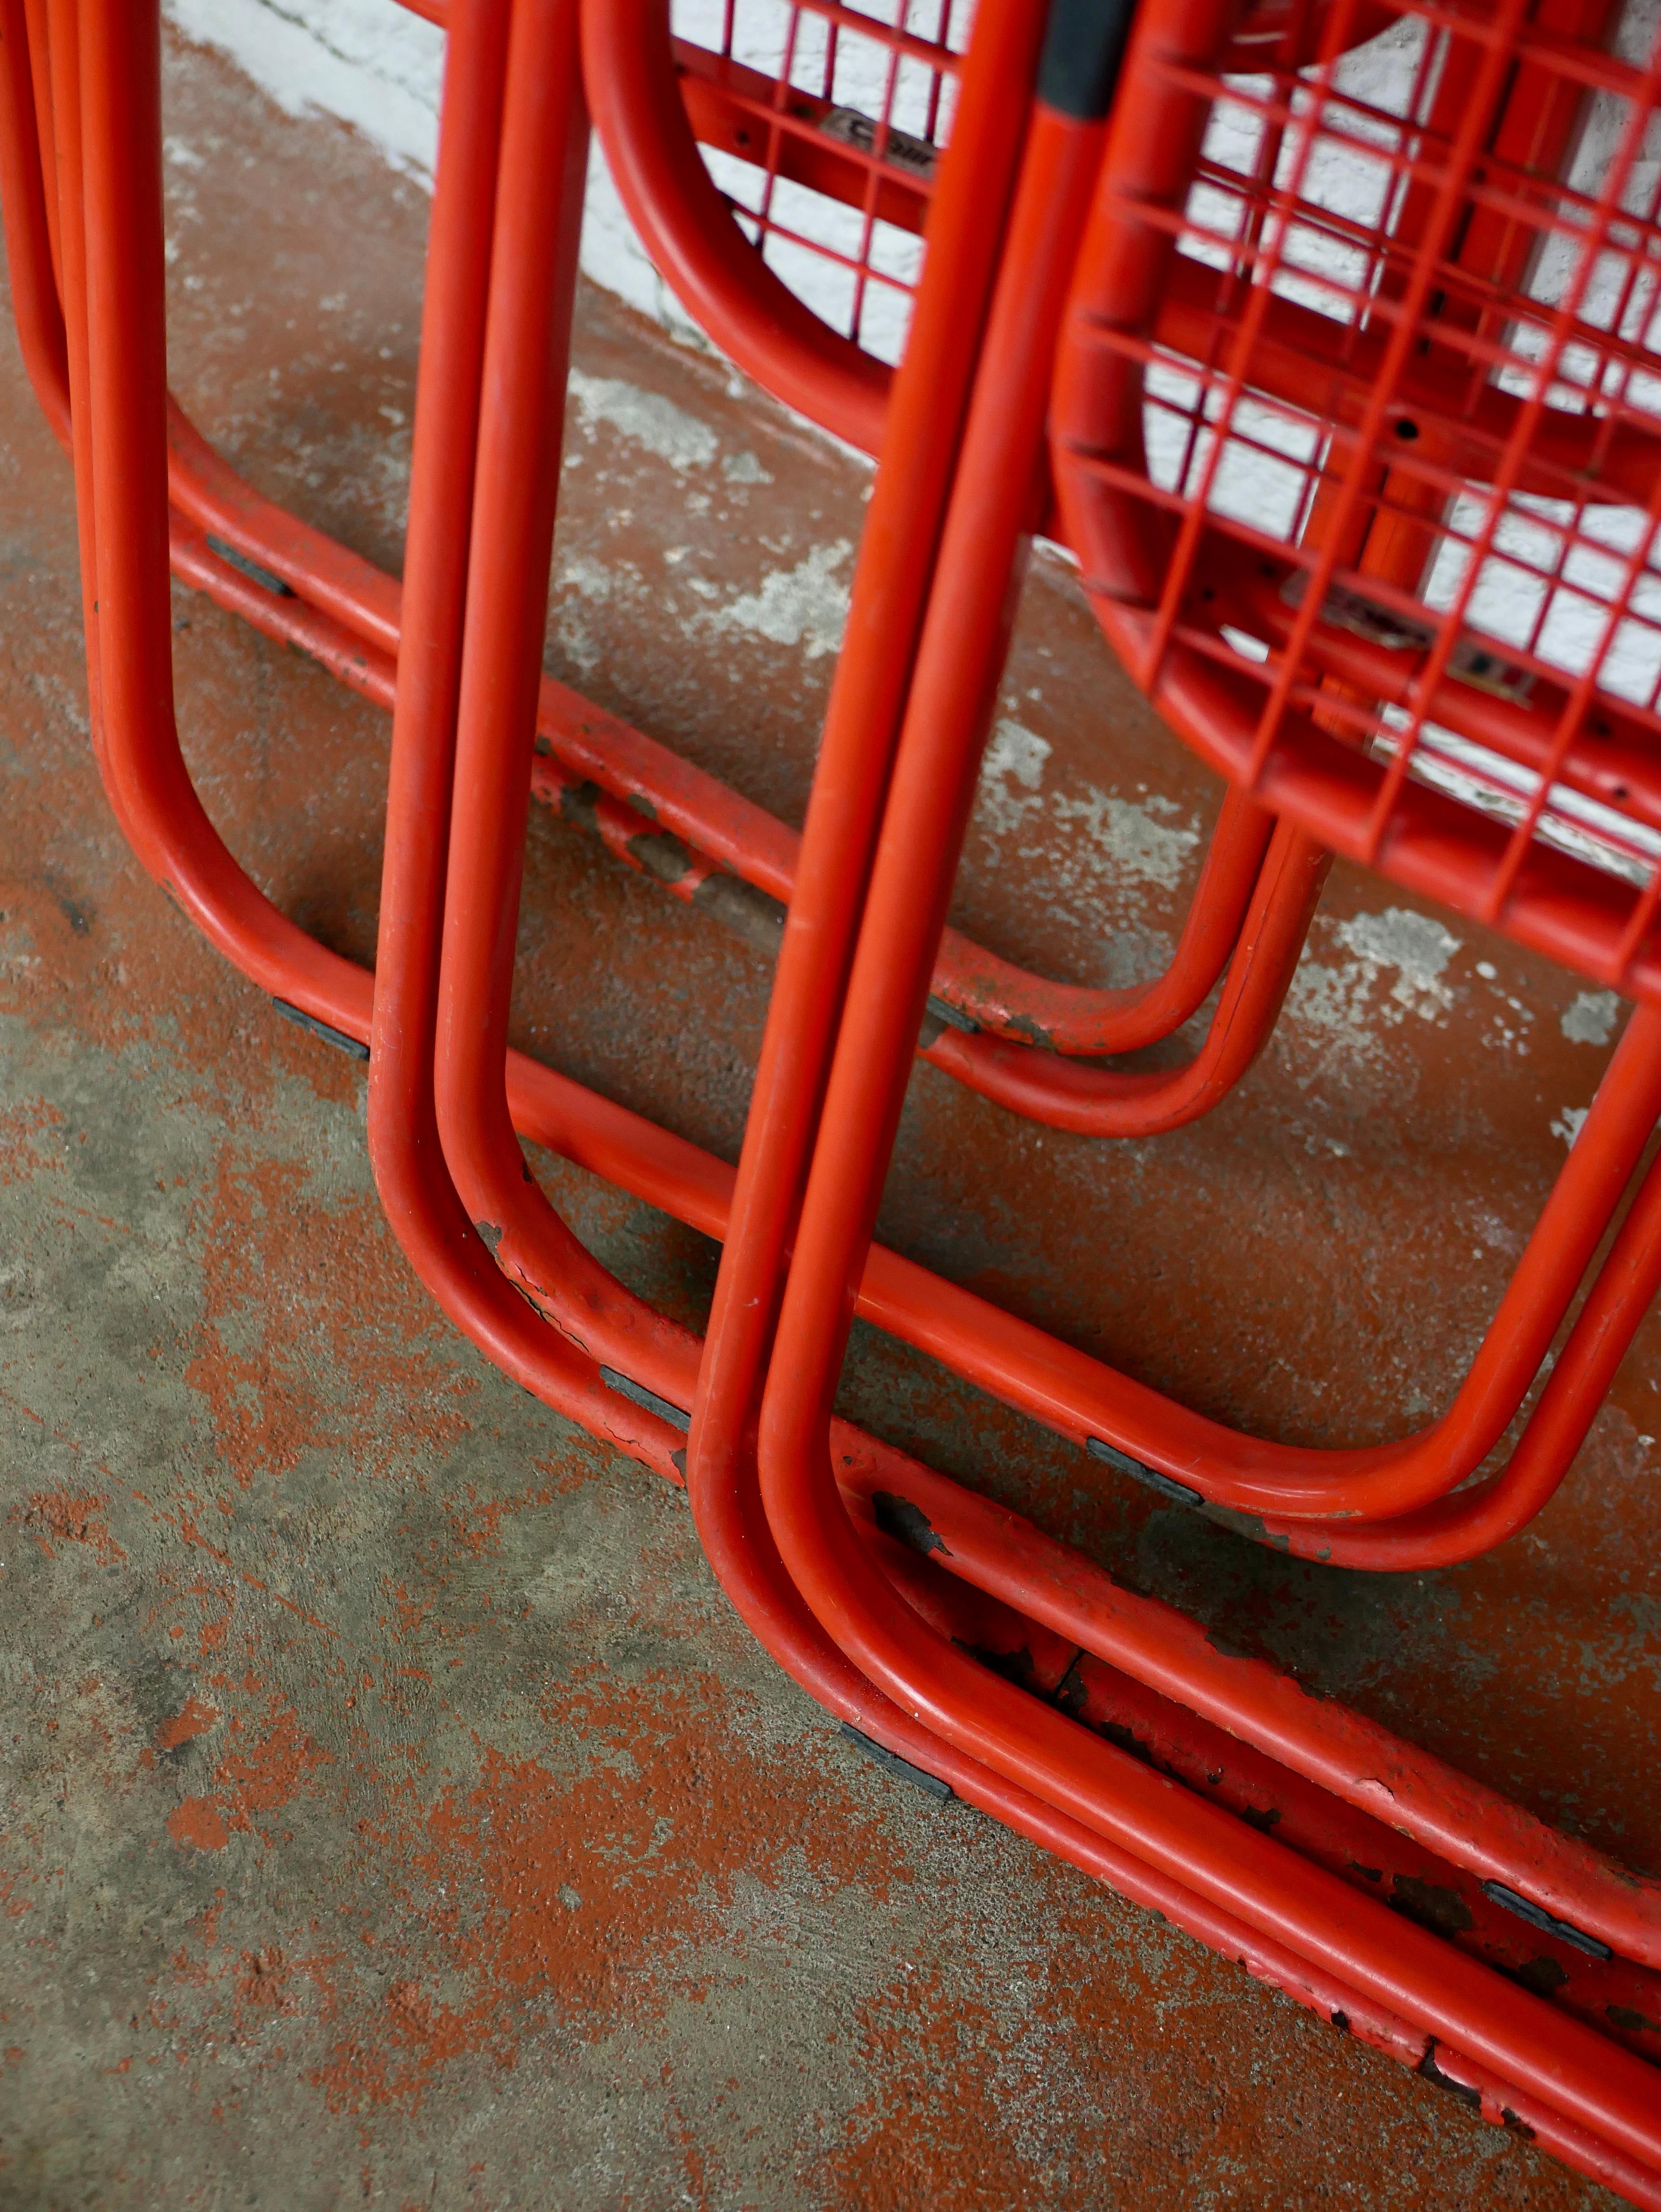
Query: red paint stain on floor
265, 1764
476, 1525
21, 1159
266, 1981
588, 1891
198, 1824
578, 1892
196, 1720
261, 1223
72, 1519
278, 1758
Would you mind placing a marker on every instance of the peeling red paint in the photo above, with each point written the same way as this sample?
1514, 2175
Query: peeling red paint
262, 1776
198, 1821
72, 1519
583, 1888
259, 1223
265, 1764
938, 2122
21, 1123
195, 1720
266, 1980
476, 1524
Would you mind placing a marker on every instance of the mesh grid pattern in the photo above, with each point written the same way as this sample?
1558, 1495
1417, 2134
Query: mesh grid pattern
821, 122
1401, 410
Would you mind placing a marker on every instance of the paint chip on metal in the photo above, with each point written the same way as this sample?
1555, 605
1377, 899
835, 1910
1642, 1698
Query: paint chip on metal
1463, 2091
330, 1035
901, 1768
1546, 1922
267, 580
906, 1523
626, 1387
951, 1017
1177, 1493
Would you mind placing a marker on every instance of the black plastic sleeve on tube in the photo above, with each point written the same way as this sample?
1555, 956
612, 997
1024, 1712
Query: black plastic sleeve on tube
1083, 44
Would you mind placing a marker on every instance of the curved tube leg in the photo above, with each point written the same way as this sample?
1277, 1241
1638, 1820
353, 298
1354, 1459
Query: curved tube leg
245, 946
1559, 2062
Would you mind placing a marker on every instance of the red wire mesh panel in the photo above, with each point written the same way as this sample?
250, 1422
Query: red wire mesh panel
822, 125
1359, 429
776, 157
819, 125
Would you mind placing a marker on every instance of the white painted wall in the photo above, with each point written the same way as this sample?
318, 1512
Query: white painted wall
377, 67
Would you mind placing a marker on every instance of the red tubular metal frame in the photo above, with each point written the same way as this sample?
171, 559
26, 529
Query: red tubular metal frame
1083, 1399
650, 143
1232, 887
346, 612
1460, 384
627, 52
1325, 1943
775, 1343
654, 98
480, 913
695, 1202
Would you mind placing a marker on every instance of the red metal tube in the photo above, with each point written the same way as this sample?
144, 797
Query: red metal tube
712, 819
671, 199
1018, 1363
1095, 1101
32, 215
1366, 1767
907, 903
889, 594
1474, 1520
1566, 2066
682, 1194
1114, 1102
1011, 1560
1008, 1356
392, 1039
124, 453
503, 608
1560, 2062
866, 700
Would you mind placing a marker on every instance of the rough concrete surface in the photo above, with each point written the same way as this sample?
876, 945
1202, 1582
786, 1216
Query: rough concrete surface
395, 1812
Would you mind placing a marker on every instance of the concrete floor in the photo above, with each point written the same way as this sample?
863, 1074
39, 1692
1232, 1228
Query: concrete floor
395, 1812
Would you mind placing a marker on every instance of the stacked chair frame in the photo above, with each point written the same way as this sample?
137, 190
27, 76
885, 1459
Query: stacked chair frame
891, 1594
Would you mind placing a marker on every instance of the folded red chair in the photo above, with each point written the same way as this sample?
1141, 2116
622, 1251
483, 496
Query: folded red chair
1354, 429
763, 1464
843, 194
481, 515
728, 855
1303, 1498
1453, 676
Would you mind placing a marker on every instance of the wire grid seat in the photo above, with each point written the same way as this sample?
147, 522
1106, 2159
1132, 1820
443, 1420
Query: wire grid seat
1357, 430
